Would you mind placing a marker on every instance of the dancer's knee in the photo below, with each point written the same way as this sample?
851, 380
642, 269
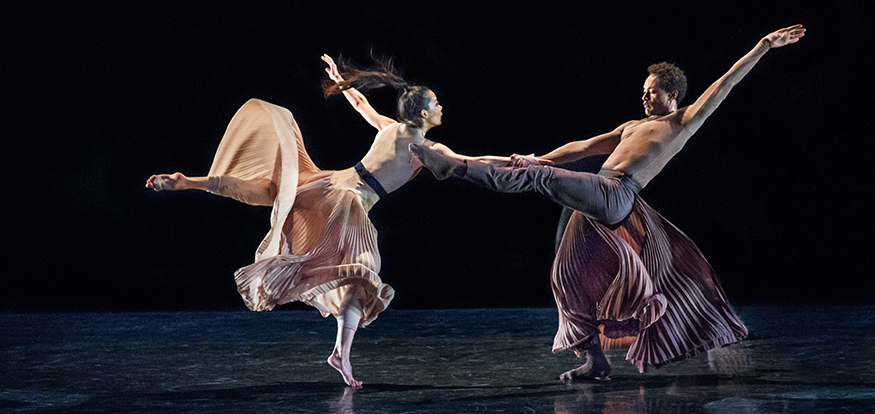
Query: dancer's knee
536, 179
351, 297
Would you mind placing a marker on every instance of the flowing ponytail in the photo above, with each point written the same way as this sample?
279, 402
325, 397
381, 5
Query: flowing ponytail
365, 80
411, 100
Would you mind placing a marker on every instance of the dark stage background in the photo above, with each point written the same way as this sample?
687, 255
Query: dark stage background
774, 188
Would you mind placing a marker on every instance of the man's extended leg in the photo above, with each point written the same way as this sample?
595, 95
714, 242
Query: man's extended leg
603, 198
441, 166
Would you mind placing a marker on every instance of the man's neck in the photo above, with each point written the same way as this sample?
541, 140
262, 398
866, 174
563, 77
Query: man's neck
654, 116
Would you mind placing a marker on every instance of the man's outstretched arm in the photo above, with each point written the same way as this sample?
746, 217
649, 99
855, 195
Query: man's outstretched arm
700, 110
575, 150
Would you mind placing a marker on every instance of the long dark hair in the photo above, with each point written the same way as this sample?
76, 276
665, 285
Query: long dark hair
412, 99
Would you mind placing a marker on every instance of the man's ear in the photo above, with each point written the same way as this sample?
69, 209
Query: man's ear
673, 95
423, 113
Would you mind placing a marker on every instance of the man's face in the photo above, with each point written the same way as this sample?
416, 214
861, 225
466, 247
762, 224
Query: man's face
656, 100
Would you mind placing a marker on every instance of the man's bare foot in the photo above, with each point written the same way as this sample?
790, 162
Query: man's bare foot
598, 370
440, 165
596, 367
167, 182
344, 368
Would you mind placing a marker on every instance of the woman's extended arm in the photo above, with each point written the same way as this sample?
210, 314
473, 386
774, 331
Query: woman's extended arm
489, 159
356, 99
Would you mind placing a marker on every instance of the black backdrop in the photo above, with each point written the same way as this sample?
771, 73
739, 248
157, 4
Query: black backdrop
98, 97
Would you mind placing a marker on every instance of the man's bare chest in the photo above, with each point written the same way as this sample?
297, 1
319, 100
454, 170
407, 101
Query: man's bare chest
651, 134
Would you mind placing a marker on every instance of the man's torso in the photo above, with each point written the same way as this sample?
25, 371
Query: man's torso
647, 145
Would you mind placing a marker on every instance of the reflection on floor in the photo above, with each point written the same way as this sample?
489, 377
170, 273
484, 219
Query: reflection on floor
798, 359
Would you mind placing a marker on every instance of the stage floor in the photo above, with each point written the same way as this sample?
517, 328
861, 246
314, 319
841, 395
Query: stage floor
797, 359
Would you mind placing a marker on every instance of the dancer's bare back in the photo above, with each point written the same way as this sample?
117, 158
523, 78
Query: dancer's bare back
389, 160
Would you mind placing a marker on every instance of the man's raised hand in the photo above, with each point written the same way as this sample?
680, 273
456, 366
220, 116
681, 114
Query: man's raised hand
785, 36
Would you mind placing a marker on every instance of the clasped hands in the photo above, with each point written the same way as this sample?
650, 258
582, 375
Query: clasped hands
522, 161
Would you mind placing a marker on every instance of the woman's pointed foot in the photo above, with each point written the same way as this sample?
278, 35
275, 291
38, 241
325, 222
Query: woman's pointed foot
166, 182
344, 368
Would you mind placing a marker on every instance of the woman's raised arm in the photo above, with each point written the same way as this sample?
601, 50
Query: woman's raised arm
357, 99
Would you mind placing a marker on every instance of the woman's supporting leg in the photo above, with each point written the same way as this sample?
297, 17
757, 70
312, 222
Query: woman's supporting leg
348, 317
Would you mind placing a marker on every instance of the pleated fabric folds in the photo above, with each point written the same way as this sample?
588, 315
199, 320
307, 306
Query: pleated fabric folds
644, 284
321, 242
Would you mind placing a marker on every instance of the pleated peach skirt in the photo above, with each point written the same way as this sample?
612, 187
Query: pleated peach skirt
646, 272
321, 245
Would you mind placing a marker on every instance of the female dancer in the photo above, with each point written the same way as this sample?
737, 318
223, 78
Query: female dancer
321, 248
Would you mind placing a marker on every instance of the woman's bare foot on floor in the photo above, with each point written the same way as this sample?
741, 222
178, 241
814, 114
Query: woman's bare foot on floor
344, 368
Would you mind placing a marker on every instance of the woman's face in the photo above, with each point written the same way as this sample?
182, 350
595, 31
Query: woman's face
433, 110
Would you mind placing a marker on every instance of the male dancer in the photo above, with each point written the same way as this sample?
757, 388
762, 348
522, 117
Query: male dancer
623, 270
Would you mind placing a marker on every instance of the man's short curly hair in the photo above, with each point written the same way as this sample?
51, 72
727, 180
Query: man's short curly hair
670, 78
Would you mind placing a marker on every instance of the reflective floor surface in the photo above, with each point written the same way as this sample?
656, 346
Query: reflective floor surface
797, 360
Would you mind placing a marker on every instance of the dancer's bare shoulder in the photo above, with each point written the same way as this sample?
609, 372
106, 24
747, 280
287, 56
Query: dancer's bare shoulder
391, 130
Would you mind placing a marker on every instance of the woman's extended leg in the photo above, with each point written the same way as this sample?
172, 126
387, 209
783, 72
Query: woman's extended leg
348, 317
256, 191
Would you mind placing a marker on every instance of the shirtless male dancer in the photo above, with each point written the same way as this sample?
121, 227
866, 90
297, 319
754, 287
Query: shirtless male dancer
638, 150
